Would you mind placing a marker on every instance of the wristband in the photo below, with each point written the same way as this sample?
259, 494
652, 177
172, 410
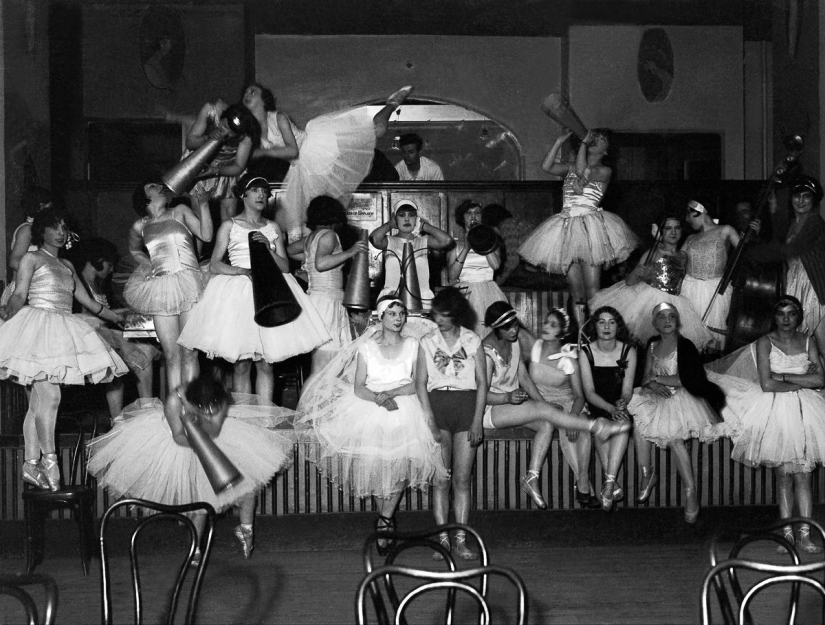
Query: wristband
97, 314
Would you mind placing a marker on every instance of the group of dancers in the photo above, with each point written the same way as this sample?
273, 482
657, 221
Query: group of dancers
406, 403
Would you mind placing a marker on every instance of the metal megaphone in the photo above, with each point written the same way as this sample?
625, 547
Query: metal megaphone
275, 304
220, 471
557, 108
409, 290
483, 239
357, 294
181, 178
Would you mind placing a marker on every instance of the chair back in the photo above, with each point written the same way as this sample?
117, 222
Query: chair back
158, 513
14, 586
453, 582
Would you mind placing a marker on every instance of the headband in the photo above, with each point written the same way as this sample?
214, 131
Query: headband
664, 306
695, 206
563, 314
786, 301
258, 181
384, 304
505, 319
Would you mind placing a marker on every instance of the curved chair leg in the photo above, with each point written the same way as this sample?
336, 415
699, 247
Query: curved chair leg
84, 520
34, 535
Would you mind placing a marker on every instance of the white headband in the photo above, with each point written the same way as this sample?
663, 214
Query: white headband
505, 319
695, 206
663, 306
384, 304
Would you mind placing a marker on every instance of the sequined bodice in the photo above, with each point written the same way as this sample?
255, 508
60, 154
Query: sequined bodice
52, 287
239, 243
475, 269
272, 133
320, 281
665, 366
385, 373
788, 363
578, 204
706, 256
505, 374
668, 273
171, 247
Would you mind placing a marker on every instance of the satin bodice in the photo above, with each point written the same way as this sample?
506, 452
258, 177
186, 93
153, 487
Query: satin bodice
171, 247
707, 256
475, 269
667, 365
505, 374
386, 373
320, 281
549, 375
668, 273
575, 204
272, 137
788, 363
239, 242
52, 287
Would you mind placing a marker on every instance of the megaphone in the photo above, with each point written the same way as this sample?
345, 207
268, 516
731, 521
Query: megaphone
357, 294
275, 303
220, 471
409, 290
181, 178
558, 108
483, 239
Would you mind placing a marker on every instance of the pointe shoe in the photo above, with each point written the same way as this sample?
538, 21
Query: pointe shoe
397, 98
244, 535
649, 480
444, 541
50, 471
607, 500
805, 543
31, 474
588, 499
603, 429
384, 525
787, 534
691, 515
529, 484
461, 548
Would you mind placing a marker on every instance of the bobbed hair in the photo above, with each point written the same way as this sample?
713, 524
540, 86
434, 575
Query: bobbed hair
49, 217
206, 392
451, 303
325, 211
462, 208
267, 96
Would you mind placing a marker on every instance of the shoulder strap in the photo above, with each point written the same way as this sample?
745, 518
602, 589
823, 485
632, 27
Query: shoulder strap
535, 353
625, 351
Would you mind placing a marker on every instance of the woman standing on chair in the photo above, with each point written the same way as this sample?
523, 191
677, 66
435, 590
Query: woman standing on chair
168, 282
228, 296
583, 237
43, 345
471, 272
676, 403
607, 378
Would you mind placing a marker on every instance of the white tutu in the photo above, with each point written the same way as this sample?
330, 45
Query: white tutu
596, 237
335, 318
40, 344
663, 420
700, 293
167, 295
635, 303
334, 158
481, 295
139, 458
222, 324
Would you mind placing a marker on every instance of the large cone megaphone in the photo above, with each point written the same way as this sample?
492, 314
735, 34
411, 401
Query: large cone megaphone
558, 108
409, 290
275, 304
220, 471
483, 239
181, 178
357, 294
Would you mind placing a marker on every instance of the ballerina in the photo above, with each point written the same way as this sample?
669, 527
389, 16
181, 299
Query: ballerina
43, 345
583, 238
222, 324
147, 454
331, 157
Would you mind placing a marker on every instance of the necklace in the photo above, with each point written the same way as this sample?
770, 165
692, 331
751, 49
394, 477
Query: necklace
47, 252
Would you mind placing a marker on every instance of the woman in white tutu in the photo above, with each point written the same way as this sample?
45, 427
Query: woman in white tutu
43, 345
373, 437
582, 238
168, 281
331, 157
782, 413
147, 454
222, 324
656, 278
472, 273
675, 403
514, 400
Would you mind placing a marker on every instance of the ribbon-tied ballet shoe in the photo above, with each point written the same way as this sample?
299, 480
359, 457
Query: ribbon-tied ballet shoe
608, 487
787, 534
444, 541
805, 543
32, 475
244, 535
461, 548
649, 481
51, 471
529, 484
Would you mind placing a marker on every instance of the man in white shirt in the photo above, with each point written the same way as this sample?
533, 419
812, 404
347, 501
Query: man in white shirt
413, 166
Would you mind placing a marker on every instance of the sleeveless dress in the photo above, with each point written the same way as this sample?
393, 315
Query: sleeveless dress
706, 264
44, 341
173, 282
334, 155
9, 290
636, 302
222, 324
219, 187
326, 292
776, 428
477, 284
581, 232
139, 458
607, 381
505, 376
363, 447
392, 266
663, 420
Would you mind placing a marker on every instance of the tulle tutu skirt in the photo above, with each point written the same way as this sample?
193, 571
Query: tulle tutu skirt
39, 344
700, 293
136, 355
481, 295
218, 187
139, 458
222, 324
663, 420
596, 238
166, 295
636, 303
373, 451
334, 158
330, 309
799, 285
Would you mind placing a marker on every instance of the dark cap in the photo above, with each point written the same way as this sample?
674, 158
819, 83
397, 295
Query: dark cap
807, 183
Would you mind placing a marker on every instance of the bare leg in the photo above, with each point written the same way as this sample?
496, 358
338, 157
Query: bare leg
541, 444
685, 468
246, 506
189, 357
229, 206
381, 119
575, 283
804, 499
242, 378
509, 415
244, 531
168, 331
617, 447
264, 379
144, 380
41, 416
389, 504
441, 489
464, 455
592, 275
583, 450
114, 397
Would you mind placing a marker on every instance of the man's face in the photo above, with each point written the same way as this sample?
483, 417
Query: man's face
744, 214
411, 155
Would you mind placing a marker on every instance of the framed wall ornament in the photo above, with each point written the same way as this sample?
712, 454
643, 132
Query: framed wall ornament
655, 64
162, 46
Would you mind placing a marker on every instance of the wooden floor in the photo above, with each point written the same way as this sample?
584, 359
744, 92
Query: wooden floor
579, 567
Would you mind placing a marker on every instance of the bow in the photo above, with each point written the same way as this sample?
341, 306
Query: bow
443, 360
565, 357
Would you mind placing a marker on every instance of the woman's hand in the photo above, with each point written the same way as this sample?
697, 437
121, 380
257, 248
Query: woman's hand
518, 396
386, 402
476, 433
359, 246
260, 237
434, 428
588, 138
199, 195
219, 133
566, 133
659, 389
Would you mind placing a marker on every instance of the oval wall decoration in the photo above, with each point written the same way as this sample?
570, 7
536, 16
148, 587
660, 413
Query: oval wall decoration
655, 64
162, 46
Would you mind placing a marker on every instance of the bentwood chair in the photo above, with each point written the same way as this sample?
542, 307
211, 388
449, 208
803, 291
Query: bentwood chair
15, 586
159, 513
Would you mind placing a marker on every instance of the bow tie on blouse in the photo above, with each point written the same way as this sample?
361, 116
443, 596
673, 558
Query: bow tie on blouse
565, 358
443, 360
